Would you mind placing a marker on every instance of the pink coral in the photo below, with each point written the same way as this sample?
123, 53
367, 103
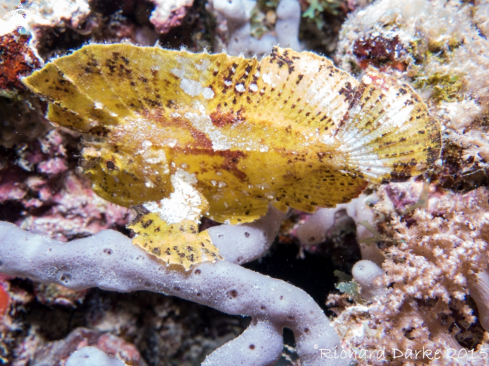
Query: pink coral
49, 197
169, 14
74, 211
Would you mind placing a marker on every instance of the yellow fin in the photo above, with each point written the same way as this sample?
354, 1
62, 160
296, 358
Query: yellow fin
387, 132
179, 244
169, 229
51, 83
124, 178
343, 187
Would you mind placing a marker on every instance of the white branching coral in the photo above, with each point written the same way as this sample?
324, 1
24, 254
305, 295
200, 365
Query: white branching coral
436, 262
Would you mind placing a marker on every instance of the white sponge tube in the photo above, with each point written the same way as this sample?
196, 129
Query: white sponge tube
365, 272
92, 356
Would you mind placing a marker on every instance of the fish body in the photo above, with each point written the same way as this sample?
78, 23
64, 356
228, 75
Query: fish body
182, 135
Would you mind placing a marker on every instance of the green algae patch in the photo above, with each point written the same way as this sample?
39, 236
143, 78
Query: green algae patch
444, 87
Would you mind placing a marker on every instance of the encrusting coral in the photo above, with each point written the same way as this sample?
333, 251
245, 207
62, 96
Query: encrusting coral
169, 14
436, 258
18, 59
38, 179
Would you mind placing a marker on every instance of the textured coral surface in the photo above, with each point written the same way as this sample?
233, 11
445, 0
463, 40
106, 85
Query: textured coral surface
441, 49
18, 60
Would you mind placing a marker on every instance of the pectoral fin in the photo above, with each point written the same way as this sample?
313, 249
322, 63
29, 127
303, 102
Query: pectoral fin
169, 229
179, 244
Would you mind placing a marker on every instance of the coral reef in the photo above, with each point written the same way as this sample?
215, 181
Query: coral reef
4, 297
58, 352
169, 14
23, 122
13, 301
88, 355
433, 295
165, 330
346, 219
18, 59
43, 14
12, 17
366, 274
419, 295
316, 8
39, 191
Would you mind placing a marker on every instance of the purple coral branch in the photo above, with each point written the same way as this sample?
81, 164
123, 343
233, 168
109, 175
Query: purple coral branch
110, 261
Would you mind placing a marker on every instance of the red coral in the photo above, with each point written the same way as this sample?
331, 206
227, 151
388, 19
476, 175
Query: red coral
4, 296
379, 50
18, 59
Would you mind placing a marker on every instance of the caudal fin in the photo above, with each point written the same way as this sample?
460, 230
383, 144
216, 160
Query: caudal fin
387, 133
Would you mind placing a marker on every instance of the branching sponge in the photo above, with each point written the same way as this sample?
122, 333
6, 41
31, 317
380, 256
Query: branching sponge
110, 261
